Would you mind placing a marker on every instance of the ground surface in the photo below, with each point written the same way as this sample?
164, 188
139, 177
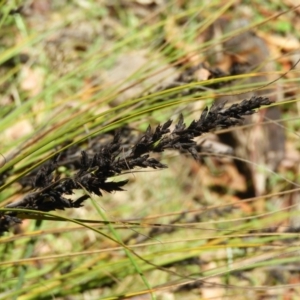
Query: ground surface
220, 227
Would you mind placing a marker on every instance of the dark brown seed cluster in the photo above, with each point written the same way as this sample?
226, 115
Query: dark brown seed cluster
95, 172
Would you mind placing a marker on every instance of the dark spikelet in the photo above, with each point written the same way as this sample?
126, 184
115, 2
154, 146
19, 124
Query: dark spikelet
44, 175
6, 221
94, 171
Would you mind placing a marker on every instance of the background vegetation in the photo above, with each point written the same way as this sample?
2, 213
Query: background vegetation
73, 72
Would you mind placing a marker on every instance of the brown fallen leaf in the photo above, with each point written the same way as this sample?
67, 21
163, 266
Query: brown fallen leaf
285, 43
18, 130
32, 80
